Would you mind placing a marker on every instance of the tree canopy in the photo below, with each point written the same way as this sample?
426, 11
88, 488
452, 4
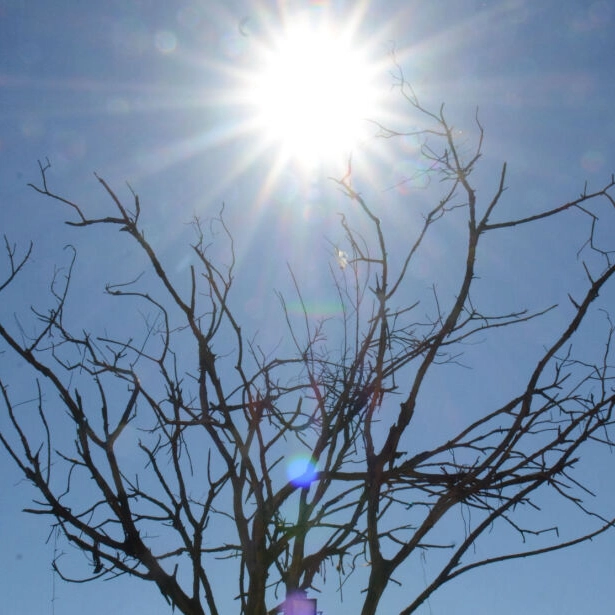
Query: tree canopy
173, 444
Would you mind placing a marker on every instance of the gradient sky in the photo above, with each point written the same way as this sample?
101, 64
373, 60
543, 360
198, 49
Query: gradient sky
150, 92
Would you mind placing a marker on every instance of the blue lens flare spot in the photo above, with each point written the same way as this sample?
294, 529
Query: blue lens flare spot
301, 470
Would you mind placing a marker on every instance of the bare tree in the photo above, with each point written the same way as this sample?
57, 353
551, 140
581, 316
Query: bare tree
215, 412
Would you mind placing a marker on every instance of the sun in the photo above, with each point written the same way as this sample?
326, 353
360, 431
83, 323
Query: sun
313, 92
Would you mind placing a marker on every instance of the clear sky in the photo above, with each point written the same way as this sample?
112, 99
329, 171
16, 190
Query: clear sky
156, 93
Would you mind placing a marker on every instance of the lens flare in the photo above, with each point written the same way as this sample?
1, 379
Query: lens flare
301, 470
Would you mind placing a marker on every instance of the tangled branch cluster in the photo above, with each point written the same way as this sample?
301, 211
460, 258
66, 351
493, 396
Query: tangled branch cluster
216, 414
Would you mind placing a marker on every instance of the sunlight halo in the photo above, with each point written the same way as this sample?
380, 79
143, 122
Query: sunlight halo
313, 92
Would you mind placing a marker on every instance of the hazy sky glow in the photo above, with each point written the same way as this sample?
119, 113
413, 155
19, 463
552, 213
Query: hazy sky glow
200, 103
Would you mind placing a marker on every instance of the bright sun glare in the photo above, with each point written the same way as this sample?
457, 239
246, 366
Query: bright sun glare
313, 93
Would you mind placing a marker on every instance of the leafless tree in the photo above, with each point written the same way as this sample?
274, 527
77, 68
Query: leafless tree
216, 412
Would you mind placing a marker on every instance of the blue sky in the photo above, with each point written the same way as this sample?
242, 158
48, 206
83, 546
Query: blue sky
151, 93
